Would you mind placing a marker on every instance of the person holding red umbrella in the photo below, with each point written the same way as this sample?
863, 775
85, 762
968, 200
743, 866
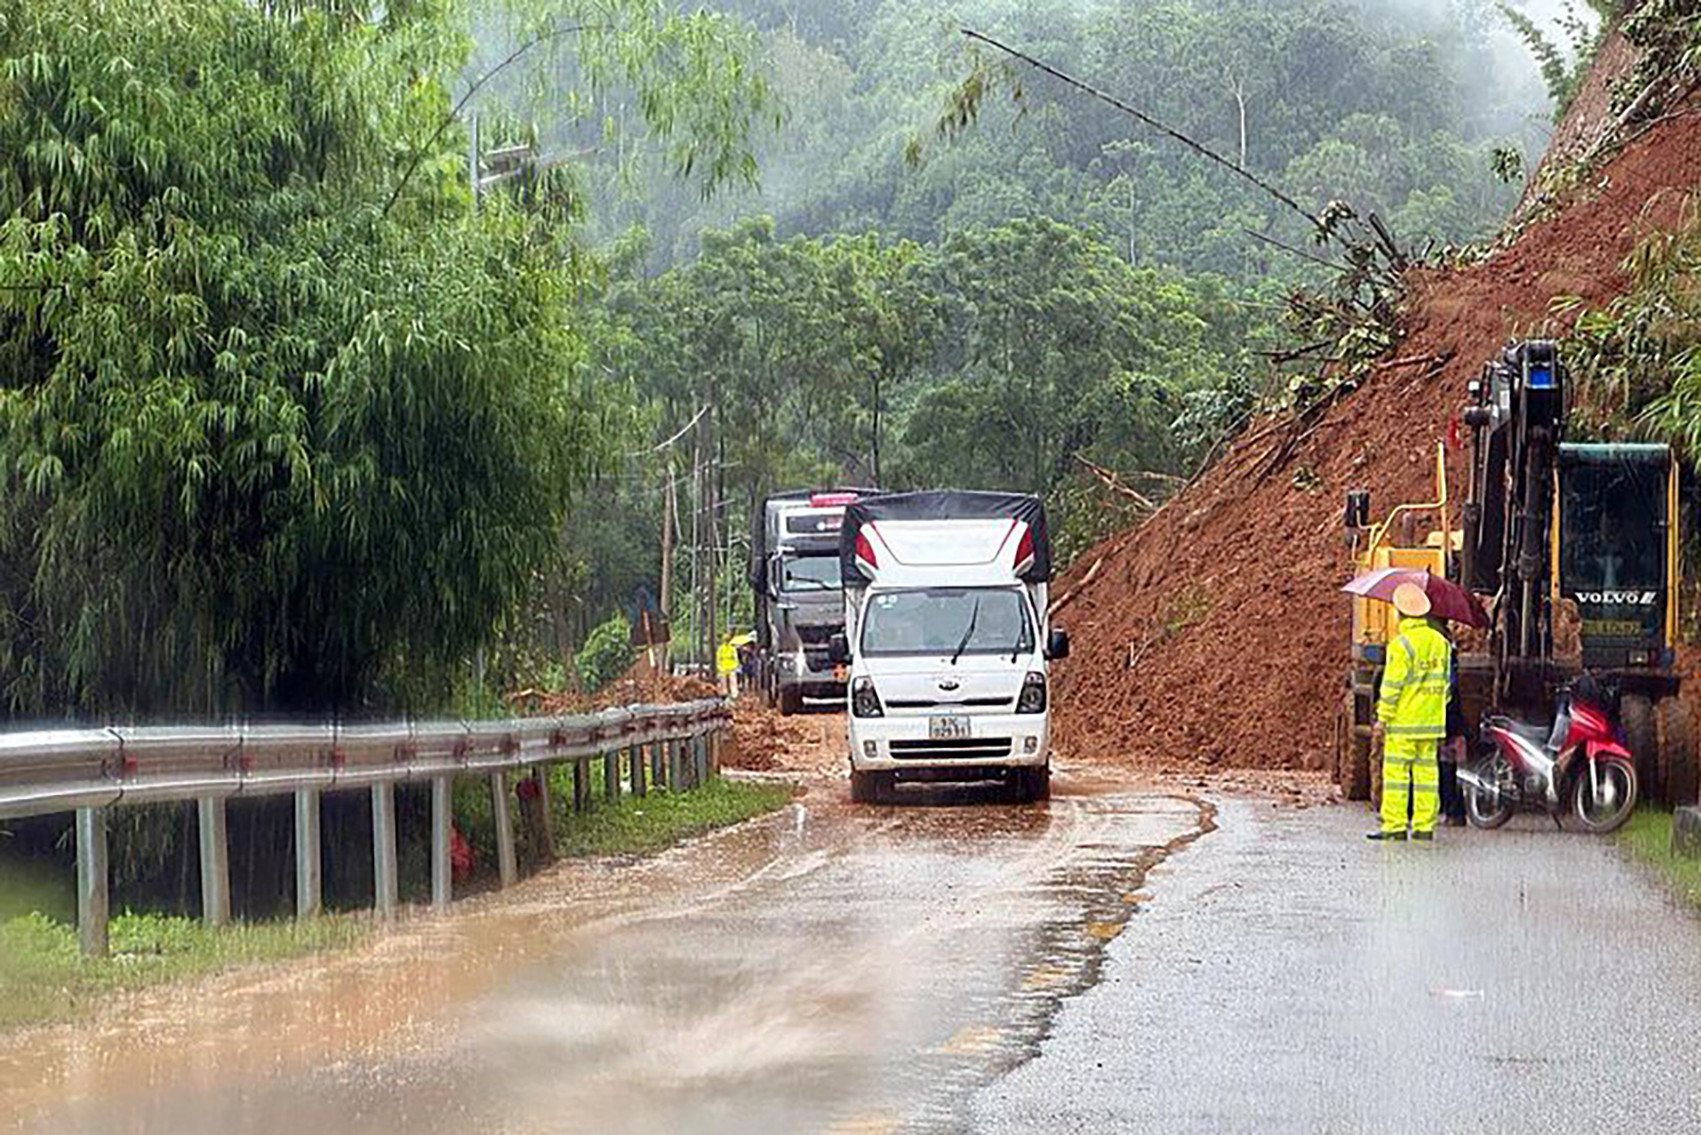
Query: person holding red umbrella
1411, 718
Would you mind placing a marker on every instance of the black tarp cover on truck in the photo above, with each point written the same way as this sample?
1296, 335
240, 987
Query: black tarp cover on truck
948, 504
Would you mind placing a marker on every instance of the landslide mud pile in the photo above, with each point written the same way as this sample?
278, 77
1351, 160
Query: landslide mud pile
1215, 633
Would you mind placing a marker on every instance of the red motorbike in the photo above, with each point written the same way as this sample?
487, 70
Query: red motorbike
1579, 763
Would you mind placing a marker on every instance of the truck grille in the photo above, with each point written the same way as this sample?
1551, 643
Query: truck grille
958, 748
814, 635
973, 703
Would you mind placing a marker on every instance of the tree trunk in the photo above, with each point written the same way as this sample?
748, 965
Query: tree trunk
1237, 87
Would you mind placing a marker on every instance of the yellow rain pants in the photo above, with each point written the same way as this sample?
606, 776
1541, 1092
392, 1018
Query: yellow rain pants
1411, 777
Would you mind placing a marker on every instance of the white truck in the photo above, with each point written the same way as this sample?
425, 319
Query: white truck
947, 640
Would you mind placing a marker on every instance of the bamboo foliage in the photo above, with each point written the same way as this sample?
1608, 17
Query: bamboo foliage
266, 441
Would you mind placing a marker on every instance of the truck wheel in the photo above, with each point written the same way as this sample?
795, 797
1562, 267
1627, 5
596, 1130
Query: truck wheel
868, 787
791, 701
1677, 753
1636, 715
1032, 784
1353, 767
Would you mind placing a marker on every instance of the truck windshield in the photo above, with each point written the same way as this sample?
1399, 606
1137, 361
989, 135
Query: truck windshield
1613, 524
938, 620
810, 573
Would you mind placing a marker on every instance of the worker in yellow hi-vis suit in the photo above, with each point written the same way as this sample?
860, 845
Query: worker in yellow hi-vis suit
1411, 718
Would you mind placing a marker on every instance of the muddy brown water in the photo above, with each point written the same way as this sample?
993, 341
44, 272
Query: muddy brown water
827, 968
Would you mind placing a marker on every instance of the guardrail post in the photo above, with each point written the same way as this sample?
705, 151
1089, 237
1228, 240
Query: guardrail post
215, 861
385, 896
657, 771
546, 818
699, 760
611, 774
581, 784
92, 893
309, 872
676, 765
499, 812
442, 873
635, 760
715, 740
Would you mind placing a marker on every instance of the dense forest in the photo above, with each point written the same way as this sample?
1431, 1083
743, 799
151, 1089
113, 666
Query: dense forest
300, 415
1056, 292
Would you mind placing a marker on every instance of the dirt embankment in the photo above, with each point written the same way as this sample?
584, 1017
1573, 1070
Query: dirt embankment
1227, 600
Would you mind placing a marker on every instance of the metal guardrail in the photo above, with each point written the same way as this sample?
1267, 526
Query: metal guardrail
90, 771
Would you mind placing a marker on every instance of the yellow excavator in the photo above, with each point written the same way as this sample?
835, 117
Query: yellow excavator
1416, 536
1575, 548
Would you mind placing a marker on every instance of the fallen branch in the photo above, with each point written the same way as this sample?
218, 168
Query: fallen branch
1069, 595
1410, 361
1114, 482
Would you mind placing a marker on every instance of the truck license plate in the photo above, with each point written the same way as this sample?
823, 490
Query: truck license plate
947, 728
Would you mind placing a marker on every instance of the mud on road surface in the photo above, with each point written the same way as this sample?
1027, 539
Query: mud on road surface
829, 967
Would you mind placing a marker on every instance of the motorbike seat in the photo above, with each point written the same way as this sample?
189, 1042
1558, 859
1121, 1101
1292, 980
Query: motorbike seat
1537, 734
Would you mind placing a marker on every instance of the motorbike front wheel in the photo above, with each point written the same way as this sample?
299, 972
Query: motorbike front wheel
1489, 800
1603, 797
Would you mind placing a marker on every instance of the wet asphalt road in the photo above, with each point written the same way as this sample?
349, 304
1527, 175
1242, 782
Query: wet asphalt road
966, 968
831, 968
1289, 977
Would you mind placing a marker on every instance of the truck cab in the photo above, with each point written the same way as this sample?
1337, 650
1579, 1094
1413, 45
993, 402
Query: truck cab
947, 641
794, 574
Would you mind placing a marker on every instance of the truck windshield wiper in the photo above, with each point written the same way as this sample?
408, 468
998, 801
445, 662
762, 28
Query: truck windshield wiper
974, 616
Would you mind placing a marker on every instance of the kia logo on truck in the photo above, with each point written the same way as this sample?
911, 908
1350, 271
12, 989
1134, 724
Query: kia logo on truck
949, 684
1632, 598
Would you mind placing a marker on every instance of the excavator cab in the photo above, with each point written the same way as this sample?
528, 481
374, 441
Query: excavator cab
1550, 525
1618, 552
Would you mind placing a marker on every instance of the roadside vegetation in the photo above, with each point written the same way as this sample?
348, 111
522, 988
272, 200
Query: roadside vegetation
1648, 839
44, 977
638, 825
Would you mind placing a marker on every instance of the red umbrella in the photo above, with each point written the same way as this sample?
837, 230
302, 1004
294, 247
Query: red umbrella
1447, 600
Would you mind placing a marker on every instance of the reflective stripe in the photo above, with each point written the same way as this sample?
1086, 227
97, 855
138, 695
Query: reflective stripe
1436, 729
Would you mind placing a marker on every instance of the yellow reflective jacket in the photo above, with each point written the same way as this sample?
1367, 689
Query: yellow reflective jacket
1415, 682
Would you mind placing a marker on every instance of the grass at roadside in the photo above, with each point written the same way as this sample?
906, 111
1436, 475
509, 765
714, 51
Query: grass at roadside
44, 978
636, 825
1648, 838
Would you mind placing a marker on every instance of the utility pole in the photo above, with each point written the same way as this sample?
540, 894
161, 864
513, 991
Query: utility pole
670, 510
714, 544
472, 161
696, 536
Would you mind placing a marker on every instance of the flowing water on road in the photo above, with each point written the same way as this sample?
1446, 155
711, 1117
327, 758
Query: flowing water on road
830, 967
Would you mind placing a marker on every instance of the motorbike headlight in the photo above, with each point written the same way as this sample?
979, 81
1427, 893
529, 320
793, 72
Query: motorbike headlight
1032, 699
864, 701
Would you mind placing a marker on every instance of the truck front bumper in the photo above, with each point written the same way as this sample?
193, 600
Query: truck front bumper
896, 744
823, 681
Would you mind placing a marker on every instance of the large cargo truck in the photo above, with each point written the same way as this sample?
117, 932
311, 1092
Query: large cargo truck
948, 641
794, 575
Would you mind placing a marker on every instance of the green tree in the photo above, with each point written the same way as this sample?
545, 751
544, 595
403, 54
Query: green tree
282, 425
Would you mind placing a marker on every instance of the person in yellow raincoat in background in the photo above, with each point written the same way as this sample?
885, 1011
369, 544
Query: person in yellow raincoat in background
1411, 719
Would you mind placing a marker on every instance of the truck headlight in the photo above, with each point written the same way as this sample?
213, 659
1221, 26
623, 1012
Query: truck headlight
786, 662
1033, 693
864, 701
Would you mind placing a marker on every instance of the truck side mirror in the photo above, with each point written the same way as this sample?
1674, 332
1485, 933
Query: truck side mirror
838, 650
1057, 644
